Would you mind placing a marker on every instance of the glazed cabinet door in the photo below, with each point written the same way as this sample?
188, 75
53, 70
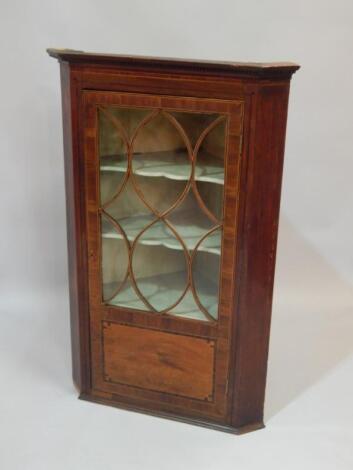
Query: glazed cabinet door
161, 187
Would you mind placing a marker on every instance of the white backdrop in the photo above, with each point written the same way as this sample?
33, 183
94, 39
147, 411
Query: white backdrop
308, 408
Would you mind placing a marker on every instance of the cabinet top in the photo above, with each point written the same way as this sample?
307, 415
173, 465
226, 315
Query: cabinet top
235, 69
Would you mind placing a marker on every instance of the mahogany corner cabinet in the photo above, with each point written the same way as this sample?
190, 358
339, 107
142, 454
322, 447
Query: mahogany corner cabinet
173, 177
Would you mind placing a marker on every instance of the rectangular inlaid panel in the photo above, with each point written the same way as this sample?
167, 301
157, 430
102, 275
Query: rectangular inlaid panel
154, 360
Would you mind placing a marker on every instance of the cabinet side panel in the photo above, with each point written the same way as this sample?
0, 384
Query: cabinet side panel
261, 189
75, 237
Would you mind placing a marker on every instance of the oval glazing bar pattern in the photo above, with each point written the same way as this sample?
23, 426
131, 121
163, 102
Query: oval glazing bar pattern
161, 205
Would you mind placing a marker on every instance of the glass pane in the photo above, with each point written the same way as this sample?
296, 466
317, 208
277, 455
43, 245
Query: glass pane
112, 156
161, 181
128, 298
206, 272
159, 267
115, 259
130, 212
130, 119
159, 151
190, 221
209, 168
194, 124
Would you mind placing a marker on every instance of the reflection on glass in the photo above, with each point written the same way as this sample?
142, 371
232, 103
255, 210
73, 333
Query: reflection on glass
161, 183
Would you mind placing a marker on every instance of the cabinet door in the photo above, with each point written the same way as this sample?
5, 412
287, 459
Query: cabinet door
161, 177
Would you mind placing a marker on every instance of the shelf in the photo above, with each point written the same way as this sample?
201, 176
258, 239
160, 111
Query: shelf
190, 226
154, 289
173, 165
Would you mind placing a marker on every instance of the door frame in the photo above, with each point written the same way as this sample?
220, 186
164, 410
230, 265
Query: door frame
220, 331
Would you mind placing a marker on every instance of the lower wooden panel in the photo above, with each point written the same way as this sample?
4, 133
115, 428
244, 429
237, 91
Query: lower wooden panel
153, 360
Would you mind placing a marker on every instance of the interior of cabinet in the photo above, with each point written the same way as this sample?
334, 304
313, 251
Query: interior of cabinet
161, 196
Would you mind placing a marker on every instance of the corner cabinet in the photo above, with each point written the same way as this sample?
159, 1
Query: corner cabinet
173, 175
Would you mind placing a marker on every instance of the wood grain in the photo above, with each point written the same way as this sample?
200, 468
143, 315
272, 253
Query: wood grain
154, 360
217, 409
255, 98
257, 239
75, 217
248, 69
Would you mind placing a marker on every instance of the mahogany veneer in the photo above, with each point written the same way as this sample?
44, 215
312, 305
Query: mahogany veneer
213, 133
